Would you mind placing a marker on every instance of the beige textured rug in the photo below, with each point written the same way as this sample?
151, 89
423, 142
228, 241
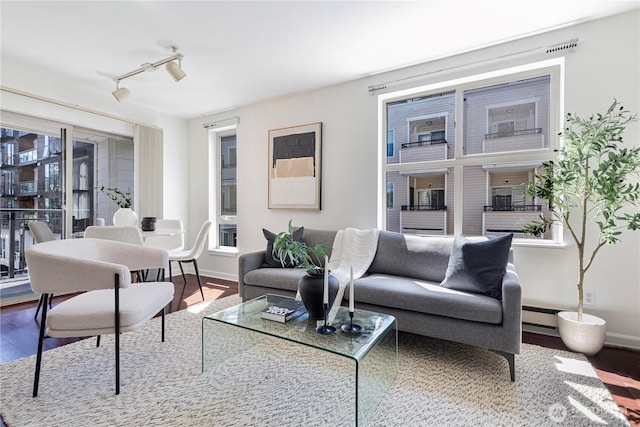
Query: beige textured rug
439, 383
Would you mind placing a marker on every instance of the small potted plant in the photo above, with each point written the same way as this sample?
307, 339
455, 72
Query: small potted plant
588, 187
121, 198
296, 253
124, 215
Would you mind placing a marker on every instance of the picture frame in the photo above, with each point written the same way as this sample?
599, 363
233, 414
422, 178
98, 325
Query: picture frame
295, 167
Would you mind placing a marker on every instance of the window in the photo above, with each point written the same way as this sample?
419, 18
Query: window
224, 197
483, 159
32, 179
431, 199
390, 143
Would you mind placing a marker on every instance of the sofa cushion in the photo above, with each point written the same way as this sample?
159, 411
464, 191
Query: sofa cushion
313, 237
408, 255
426, 297
275, 278
478, 267
269, 260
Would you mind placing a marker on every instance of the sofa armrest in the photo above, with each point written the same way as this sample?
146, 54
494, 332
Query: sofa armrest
512, 305
246, 263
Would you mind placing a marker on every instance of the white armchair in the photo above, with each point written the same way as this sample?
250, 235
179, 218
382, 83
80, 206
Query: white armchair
110, 304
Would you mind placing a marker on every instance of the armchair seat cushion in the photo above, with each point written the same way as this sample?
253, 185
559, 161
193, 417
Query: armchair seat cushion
92, 313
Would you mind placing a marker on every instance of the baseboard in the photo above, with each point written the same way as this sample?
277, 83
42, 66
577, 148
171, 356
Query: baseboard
611, 339
540, 317
620, 340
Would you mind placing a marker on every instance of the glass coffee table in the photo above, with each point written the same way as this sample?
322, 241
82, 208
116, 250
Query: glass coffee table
374, 351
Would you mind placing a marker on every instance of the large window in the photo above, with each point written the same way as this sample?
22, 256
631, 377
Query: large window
464, 154
224, 197
35, 156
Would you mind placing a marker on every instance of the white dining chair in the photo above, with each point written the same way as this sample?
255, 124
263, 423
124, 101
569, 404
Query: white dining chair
191, 255
172, 240
41, 233
119, 233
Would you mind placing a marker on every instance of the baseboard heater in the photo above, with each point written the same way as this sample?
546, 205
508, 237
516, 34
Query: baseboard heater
540, 317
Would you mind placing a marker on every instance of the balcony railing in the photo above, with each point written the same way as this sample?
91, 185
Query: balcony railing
28, 187
423, 143
533, 131
514, 208
13, 230
28, 156
424, 208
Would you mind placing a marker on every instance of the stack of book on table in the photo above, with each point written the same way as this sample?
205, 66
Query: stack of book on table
283, 310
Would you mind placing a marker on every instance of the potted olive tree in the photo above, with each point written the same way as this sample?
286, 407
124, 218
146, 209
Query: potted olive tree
296, 253
590, 187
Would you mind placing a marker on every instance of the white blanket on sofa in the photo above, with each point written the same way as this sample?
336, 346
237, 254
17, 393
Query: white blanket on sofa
355, 248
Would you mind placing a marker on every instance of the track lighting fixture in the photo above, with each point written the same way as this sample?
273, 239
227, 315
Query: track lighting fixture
174, 70
121, 93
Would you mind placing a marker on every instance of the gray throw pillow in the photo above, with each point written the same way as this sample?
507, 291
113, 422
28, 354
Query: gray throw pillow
478, 267
269, 260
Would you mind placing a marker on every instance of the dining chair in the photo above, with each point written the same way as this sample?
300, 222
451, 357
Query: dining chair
171, 241
100, 270
41, 233
191, 255
120, 233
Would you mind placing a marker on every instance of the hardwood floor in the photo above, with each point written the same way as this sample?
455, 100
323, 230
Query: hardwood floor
619, 369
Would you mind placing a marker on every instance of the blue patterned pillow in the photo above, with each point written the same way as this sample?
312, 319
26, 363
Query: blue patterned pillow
478, 267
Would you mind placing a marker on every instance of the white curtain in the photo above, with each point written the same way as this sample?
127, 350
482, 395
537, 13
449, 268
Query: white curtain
148, 144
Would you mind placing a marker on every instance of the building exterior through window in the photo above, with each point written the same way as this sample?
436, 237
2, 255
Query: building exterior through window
487, 150
32, 185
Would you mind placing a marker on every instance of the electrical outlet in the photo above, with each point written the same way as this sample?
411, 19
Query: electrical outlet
589, 297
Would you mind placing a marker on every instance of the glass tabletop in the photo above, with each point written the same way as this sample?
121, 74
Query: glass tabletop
303, 330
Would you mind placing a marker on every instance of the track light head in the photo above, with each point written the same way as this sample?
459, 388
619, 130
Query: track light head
121, 93
175, 71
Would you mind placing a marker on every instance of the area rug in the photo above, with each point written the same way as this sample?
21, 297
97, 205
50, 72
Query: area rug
439, 383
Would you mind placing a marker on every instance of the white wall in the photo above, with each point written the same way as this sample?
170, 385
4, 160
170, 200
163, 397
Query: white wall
605, 65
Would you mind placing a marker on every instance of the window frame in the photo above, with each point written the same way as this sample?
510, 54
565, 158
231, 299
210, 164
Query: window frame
554, 68
215, 193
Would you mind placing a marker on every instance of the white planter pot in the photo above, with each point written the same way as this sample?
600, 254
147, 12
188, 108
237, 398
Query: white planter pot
585, 337
125, 216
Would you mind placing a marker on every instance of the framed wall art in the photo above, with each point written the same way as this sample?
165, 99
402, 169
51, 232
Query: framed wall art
295, 165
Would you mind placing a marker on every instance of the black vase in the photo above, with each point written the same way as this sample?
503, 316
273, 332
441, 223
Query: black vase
311, 290
148, 223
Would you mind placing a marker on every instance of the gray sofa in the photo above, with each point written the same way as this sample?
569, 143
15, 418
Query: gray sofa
404, 281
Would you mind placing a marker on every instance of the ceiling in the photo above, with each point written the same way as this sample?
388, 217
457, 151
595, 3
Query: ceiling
239, 53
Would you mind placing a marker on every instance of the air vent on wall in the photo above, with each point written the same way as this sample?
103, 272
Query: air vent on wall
562, 46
